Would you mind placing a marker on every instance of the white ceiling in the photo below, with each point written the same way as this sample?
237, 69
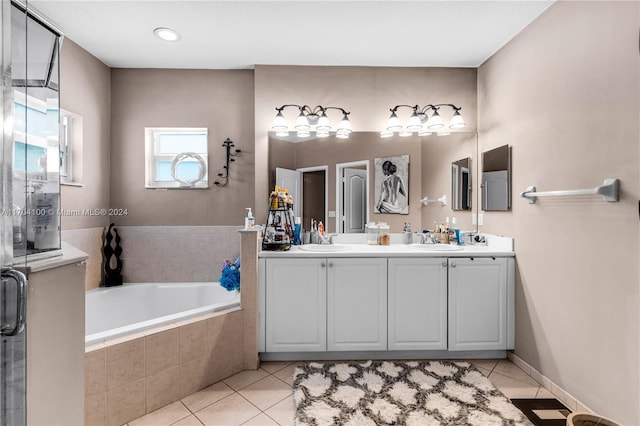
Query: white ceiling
240, 34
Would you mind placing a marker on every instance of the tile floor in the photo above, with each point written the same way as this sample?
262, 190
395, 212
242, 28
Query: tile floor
264, 397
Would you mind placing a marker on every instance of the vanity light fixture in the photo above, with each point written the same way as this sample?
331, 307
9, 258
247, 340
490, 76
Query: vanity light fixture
166, 34
421, 122
308, 117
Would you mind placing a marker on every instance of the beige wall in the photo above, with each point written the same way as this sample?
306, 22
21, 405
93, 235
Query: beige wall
564, 94
85, 89
221, 101
367, 92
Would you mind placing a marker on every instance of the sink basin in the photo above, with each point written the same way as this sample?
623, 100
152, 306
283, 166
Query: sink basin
324, 248
436, 247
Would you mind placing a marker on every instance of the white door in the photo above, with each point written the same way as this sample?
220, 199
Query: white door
292, 180
355, 206
417, 303
356, 304
296, 305
478, 304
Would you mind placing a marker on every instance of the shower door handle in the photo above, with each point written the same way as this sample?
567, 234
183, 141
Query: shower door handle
8, 276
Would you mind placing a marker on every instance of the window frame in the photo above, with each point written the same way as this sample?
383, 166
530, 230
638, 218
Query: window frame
153, 157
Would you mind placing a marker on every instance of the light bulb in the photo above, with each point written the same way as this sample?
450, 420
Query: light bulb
341, 134
405, 133
386, 134
322, 133
166, 34
443, 133
394, 123
414, 123
302, 123
303, 133
282, 133
345, 125
279, 123
424, 132
435, 122
323, 123
457, 122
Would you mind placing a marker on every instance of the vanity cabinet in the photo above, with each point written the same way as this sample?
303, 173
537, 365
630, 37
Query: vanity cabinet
417, 307
357, 304
340, 304
296, 305
480, 304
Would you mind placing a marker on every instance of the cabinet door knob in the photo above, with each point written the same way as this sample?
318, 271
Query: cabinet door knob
453, 264
330, 265
323, 264
444, 263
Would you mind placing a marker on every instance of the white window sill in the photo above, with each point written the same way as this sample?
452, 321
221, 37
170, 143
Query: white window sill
78, 184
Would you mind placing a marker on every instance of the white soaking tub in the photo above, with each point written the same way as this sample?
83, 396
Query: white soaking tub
116, 311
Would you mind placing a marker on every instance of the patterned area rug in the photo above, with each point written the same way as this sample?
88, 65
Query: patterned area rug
399, 393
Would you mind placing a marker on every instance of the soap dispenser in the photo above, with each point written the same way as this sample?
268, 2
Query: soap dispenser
249, 221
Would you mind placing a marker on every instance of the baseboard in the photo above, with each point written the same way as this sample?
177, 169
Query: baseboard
565, 397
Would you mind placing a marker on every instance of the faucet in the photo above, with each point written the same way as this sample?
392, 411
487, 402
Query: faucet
327, 239
428, 238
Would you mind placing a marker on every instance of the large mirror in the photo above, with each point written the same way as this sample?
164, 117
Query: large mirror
345, 202
496, 179
461, 184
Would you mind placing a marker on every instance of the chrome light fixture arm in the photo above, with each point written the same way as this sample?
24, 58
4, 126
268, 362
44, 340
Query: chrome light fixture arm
308, 116
421, 122
224, 177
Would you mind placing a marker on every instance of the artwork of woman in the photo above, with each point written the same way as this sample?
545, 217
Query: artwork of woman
392, 188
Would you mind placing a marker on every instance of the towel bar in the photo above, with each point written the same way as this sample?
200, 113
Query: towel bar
609, 190
427, 200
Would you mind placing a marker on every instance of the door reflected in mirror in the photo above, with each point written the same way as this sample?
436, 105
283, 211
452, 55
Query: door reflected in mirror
496, 179
461, 184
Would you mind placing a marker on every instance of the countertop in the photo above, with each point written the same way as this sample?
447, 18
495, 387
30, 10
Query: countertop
393, 250
66, 256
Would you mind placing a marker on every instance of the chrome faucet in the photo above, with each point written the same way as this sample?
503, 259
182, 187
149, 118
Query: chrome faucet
326, 239
428, 238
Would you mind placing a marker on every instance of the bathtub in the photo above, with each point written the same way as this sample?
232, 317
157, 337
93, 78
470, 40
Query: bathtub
117, 311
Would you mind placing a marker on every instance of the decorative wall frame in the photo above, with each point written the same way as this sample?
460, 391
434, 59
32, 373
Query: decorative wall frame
391, 180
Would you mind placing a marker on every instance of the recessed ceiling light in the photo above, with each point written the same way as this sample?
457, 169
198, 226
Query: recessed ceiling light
166, 34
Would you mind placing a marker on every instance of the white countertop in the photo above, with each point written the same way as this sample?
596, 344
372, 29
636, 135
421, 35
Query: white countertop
67, 255
393, 250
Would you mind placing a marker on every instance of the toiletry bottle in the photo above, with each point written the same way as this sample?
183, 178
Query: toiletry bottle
249, 221
454, 232
296, 232
407, 237
321, 229
314, 232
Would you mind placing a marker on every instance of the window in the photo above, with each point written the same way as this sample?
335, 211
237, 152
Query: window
176, 157
70, 148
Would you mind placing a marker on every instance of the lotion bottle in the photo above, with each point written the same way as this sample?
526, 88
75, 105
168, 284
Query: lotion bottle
249, 221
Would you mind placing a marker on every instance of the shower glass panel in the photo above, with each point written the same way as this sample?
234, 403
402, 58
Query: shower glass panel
36, 158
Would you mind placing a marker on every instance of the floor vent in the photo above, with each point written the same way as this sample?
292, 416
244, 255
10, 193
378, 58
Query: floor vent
543, 412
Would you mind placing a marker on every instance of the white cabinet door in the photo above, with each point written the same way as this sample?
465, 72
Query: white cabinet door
478, 311
417, 303
296, 305
357, 304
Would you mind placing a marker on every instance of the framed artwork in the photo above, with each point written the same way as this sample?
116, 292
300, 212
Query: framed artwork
391, 179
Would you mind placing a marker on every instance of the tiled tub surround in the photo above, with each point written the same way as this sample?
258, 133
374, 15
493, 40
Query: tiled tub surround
129, 377
161, 253
89, 240
177, 253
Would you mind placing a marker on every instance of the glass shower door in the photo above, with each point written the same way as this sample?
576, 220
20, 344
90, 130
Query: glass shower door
12, 283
